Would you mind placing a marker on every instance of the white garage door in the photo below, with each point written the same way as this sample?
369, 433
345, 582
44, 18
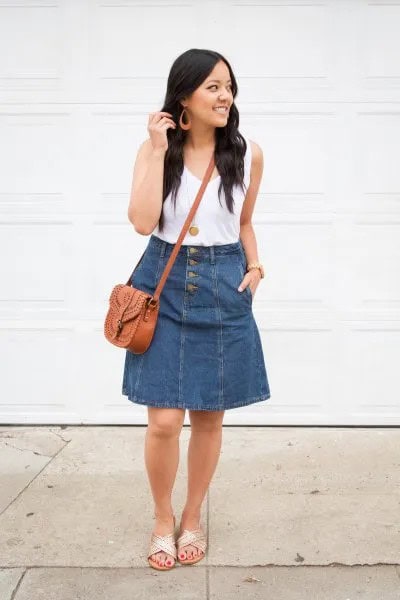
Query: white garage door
318, 90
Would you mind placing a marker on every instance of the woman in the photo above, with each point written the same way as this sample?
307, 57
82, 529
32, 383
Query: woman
206, 354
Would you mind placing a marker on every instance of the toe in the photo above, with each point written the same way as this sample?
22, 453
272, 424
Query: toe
190, 552
158, 557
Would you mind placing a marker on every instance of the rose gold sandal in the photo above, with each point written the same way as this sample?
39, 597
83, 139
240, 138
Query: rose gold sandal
162, 543
194, 538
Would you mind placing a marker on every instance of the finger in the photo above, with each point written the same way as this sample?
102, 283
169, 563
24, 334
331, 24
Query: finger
161, 116
162, 121
244, 283
165, 120
160, 127
160, 113
166, 126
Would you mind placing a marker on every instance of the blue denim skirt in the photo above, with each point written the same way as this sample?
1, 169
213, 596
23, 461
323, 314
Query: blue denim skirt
206, 352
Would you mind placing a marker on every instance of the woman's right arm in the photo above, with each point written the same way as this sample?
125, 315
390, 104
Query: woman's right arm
147, 187
145, 202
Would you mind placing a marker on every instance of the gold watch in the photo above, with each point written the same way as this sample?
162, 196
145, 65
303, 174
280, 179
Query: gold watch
258, 266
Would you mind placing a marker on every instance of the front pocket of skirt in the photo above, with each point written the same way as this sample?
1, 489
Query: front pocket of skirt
247, 291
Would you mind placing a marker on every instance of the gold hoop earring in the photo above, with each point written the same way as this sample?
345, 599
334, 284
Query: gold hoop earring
183, 125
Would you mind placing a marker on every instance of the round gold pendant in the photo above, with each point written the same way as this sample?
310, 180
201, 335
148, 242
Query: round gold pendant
193, 230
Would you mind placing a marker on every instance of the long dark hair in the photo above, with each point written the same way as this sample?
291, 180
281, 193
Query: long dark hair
187, 73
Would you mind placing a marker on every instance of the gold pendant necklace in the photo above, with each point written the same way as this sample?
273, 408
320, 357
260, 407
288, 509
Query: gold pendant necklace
193, 229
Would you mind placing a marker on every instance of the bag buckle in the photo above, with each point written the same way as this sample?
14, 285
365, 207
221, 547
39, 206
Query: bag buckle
152, 303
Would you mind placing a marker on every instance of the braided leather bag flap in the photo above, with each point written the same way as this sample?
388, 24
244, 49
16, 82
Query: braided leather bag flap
130, 322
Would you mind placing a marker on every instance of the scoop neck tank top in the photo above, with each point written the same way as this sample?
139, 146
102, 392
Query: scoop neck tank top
216, 224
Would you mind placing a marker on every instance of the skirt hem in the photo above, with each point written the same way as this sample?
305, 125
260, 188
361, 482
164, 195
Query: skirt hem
247, 402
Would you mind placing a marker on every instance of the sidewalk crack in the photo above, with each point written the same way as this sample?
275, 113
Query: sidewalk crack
51, 458
27, 450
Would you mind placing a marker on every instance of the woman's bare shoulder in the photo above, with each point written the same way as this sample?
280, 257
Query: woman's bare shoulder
257, 160
256, 151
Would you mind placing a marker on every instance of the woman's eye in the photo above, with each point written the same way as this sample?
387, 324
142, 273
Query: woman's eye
214, 86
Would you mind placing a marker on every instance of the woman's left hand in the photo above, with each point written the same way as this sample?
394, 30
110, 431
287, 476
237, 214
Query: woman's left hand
251, 279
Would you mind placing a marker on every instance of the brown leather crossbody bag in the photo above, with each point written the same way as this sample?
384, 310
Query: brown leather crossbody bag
132, 314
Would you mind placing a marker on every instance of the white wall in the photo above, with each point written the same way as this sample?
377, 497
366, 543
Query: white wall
318, 90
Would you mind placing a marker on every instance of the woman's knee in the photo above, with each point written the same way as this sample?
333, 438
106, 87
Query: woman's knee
165, 422
206, 420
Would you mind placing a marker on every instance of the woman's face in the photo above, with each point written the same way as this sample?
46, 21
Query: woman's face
216, 90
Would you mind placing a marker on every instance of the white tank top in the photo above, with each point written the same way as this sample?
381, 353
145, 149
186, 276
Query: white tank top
216, 224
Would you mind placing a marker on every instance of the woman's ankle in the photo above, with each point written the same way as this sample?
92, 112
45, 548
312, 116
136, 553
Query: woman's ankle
163, 514
191, 510
191, 515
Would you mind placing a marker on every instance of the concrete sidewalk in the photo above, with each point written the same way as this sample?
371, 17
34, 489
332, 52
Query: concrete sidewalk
292, 514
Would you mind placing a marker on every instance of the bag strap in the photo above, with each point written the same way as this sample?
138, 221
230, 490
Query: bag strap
182, 234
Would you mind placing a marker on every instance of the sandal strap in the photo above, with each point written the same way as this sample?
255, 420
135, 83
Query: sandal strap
162, 543
194, 538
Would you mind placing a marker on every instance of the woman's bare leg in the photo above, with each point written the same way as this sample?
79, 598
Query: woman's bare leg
203, 454
161, 460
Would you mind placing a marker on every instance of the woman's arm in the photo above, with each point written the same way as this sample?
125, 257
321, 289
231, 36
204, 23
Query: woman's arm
247, 234
145, 203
